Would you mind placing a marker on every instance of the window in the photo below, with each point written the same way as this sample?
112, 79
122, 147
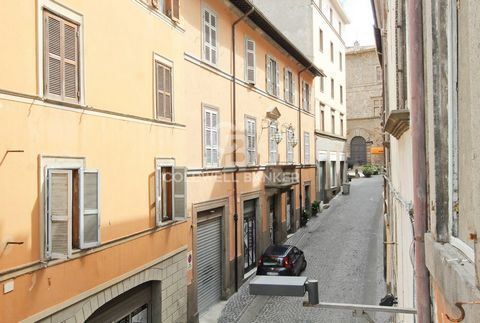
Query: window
306, 96
340, 28
306, 139
332, 88
377, 107
340, 60
249, 61
171, 8
331, 52
251, 145
273, 80
322, 120
72, 210
289, 86
209, 36
272, 143
331, 15
333, 121
321, 40
378, 71
170, 191
163, 87
210, 134
358, 150
333, 168
322, 84
290, 137
307, 197
61, 57
341, 94
341, 125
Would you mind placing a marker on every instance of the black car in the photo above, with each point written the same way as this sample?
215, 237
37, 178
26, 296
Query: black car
281, 260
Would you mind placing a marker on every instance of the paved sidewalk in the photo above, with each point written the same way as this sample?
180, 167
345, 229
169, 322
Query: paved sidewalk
343, 250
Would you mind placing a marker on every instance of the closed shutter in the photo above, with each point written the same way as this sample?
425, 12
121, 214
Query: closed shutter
210, 36
307, 148
293, 89
277, 80
61, 59
289, 146
211, 138
250, 61
59, 213
214, 139
272, 143
251, 141
164, 91
89, 208
180, 193
268, 69
286, 86
209, 263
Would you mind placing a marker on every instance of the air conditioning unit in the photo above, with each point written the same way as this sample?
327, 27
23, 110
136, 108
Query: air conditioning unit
155, 3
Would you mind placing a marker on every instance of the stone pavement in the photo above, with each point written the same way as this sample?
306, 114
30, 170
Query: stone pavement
343, 247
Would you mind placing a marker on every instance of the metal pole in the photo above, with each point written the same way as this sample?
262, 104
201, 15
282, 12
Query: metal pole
417, 108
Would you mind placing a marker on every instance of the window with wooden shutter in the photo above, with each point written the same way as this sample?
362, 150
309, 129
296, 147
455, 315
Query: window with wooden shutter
272, 143
306, 96
61, 59
172, 9
249, 61
211, 138
59, 213
289, 86
306, 139
210, 36
180, 193
251, 144
289, 140
164, 91
164, 193
89, 222
273, 76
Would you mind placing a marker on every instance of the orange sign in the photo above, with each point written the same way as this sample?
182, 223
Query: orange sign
376, 150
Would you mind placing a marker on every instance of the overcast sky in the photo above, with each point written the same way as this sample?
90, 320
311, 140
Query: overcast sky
361, 21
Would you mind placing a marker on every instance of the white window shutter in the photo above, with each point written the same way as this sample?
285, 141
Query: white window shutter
286, 85
214, 139
179, 193
293, 89
208, 138
89, 205
59, 213
268, 68
277, 79
158, 195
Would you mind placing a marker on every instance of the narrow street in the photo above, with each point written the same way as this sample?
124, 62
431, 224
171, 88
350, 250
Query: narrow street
343, 247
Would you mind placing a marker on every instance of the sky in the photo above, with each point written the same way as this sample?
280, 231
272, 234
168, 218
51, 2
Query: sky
361, 21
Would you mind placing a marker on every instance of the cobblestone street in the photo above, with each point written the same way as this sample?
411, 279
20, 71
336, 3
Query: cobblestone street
343, 247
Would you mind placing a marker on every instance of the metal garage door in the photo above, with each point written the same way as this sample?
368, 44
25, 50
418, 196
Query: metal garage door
209, 261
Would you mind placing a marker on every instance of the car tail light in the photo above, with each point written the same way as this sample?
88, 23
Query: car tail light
286, 264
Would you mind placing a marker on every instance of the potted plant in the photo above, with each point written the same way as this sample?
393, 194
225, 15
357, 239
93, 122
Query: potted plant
375, 169
304, 218
367, 170
315, 208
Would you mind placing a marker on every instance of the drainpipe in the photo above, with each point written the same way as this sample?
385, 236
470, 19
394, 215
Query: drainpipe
417, 99
300, 98
234, 140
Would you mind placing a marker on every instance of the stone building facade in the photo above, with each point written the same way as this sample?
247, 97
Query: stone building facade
364, 107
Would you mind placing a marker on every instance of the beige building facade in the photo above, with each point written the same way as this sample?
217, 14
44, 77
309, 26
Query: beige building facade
364, 107
145, 165
316, 27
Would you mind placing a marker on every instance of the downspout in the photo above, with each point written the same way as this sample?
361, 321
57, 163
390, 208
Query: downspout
417, 99
300, 98
234, 140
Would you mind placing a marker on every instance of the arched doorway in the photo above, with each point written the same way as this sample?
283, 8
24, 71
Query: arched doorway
358, 150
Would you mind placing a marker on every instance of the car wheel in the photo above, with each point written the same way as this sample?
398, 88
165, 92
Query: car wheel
304, 265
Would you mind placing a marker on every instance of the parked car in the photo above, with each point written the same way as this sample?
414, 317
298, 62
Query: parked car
282, 260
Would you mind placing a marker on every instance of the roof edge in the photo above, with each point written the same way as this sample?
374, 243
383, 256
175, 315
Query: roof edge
341, 11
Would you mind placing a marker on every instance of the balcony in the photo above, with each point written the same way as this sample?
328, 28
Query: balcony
280, 176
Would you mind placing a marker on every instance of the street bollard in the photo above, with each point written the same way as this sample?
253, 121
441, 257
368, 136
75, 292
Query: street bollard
312, 289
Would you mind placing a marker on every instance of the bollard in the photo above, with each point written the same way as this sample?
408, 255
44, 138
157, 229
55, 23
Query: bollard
312, 289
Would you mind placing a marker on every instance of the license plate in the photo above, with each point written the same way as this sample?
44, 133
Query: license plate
270, 273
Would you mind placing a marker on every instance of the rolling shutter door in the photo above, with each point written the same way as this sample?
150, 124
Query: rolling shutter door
209, 260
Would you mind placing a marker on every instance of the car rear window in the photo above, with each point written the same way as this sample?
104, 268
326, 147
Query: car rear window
271, 261
278, 250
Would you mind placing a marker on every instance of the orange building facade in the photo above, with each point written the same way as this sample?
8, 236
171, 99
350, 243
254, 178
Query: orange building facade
148, 156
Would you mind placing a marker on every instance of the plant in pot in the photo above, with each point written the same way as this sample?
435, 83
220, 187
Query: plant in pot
315, 208
304, 218
376, 169
367, 170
